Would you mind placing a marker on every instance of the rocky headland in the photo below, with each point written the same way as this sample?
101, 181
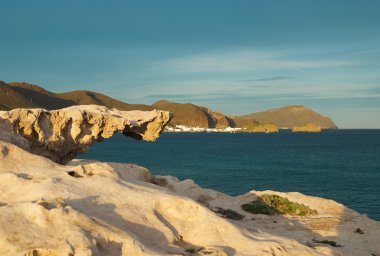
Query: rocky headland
291, 116
87, 207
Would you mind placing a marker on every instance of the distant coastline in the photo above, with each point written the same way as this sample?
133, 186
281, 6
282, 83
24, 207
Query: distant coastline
24, 95
197, 129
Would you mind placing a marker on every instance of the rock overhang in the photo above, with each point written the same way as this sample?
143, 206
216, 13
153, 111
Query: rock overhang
62, 134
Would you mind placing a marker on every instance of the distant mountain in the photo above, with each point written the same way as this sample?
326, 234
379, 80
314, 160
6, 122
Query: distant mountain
36, 96
291, 116
24, 95
192, 115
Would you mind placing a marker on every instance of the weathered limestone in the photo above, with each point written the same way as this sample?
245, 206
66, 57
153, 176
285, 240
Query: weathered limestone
63, 134
90, 208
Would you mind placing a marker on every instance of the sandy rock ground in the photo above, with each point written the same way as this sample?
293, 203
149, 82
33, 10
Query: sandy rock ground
93, 208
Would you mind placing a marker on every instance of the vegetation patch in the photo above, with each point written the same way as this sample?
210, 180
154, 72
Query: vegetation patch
229, 214
328, 242
274, 204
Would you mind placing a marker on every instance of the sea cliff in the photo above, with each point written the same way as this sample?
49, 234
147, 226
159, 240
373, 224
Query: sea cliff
87, 207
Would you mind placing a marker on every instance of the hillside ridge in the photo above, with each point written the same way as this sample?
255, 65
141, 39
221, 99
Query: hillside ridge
25, 95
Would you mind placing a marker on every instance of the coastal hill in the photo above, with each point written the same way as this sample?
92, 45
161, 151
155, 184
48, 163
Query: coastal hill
9, 98
35, 96
192, 115
24, 95
291, 116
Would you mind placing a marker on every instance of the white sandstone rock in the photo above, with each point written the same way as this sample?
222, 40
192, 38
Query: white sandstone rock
93, 208
63, 134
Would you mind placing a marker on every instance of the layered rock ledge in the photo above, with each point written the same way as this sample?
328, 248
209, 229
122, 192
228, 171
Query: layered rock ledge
61, 135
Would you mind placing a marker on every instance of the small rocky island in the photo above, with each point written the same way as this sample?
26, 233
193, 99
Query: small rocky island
267, 128
52, 204
307, 128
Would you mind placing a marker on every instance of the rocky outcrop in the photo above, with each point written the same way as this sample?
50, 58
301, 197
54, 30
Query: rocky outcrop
91, 208
307, 128
260, 128
63, 134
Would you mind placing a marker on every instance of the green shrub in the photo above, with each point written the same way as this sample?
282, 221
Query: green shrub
274, 204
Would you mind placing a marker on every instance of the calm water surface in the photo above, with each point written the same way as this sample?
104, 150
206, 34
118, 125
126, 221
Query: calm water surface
343, 165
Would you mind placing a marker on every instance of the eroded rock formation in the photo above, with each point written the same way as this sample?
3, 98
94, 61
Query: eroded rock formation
63, 134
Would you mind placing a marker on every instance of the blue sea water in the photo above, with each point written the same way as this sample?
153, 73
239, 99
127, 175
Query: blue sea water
343, 165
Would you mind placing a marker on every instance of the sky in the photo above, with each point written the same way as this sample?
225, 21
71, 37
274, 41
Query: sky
237, 56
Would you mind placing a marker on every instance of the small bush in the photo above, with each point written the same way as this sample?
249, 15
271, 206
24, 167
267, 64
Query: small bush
274, 204
259, 207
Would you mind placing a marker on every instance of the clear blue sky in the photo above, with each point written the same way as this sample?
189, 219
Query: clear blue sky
232, 56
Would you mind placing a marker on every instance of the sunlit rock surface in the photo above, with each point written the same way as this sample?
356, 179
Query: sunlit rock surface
93, 208
61, 135
88, 207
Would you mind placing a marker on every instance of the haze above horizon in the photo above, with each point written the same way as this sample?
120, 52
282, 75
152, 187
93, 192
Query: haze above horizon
232, 56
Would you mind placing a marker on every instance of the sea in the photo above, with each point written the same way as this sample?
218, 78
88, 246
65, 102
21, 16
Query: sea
343, 165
